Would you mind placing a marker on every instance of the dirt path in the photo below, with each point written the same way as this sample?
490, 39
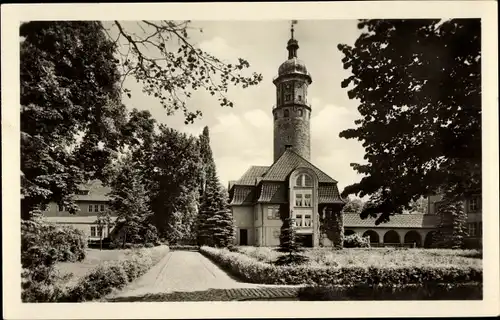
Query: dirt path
183, 271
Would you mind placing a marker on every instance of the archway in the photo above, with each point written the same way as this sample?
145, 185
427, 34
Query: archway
349, 232
391, 237
429, 239
374, 238
413, 237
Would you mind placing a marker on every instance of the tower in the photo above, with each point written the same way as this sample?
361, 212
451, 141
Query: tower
292, 112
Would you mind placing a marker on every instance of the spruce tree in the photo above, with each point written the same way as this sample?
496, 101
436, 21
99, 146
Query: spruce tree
215, 223
290, 244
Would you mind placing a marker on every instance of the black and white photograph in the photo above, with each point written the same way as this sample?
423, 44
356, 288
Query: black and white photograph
243, 160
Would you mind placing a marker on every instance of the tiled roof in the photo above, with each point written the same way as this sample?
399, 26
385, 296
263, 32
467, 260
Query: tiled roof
96, 192
249, 178
243, 195
288, 162
329, 193
396, 221
273, 192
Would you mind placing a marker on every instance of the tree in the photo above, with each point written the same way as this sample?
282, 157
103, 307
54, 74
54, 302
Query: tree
69, 89
222, 228
422, 80
159, 55
290, 245
354, 205
130, 203
214, 198
72, 78
176, 169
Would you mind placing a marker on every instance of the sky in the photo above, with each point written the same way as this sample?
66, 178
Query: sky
242, 136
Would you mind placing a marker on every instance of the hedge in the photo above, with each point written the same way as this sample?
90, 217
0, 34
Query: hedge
253, 271
184, 247
427, 291
99, 282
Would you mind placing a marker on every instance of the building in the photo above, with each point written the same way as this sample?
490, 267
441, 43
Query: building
92, 198
292, 180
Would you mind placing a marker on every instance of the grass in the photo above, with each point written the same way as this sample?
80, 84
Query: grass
75, 270
375, 257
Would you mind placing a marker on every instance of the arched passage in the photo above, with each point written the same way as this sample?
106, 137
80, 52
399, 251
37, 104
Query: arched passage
429, 239
391, 236
374, 238
413, 237
349, 232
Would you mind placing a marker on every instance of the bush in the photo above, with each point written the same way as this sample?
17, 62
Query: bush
251, 270
427, 291
184, 247
356, 241
44, 243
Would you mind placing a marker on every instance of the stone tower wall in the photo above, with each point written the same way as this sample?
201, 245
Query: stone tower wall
293, 130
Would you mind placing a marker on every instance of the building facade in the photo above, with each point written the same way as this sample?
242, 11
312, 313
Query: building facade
293, 182
92, 199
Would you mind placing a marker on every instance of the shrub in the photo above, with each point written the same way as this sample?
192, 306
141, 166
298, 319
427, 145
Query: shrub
251, 270
356, 241
44, 243
427, 291
184, 247
290, 245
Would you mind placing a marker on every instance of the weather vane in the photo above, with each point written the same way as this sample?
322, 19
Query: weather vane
294, 22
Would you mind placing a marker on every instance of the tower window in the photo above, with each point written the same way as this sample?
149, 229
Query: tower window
288, 97
286, 113
300, 97
299, 112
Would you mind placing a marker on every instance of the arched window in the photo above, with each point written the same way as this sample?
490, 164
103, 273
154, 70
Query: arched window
286, 113
299, 112
304, 180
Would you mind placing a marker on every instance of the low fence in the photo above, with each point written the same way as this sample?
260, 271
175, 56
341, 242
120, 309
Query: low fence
397, 245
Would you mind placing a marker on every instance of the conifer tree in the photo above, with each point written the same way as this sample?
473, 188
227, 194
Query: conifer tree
215, 223
290, 244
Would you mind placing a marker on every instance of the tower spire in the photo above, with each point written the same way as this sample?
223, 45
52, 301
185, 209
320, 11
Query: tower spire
293, 45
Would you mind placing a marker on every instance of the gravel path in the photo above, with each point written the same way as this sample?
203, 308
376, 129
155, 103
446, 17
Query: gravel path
184, 271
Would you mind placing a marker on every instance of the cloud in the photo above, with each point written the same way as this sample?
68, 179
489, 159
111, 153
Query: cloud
330, 152
219, 48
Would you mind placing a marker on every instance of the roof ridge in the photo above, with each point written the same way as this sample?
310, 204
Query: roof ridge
311, 164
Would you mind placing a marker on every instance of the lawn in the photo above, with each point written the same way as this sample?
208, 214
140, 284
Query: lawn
376, 257
95, 257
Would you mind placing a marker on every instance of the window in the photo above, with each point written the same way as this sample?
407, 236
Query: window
299, 112
288, 97
96, 208
307, 220
300, 99
99, 232
286, 113
82, 192
90, 207
298, 220
437, 205
304, 180
102, 207
93, 231
472, 230
473, 204
307, 200
61, 208
256, 215
298, 200
273, 213
276, 233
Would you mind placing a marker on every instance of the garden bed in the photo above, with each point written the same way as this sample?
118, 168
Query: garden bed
95, 257
347, 267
